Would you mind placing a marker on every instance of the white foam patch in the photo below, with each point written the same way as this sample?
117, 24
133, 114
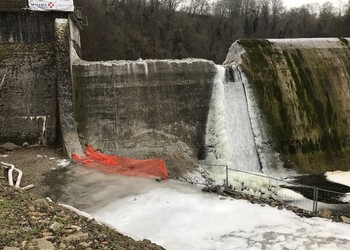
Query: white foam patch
346, 198
63, 163
182, 217
339, 177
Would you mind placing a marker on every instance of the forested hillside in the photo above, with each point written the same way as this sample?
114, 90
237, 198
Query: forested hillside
132, 29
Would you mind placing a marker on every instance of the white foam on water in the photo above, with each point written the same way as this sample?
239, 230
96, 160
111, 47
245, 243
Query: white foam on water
179, 216
340, 177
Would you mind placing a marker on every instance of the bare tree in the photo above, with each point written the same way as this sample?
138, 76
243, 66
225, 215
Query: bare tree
198, 7
277, 8
264, 19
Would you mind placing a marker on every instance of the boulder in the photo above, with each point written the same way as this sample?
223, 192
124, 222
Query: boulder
56, 226
44, 244
77, 237
325, 213
345, 219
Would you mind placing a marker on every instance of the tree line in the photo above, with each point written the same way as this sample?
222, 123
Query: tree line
132, 29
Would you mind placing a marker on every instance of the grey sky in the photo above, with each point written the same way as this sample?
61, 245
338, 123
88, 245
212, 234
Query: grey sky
298, 3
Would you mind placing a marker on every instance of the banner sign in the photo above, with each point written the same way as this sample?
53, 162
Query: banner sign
51, 5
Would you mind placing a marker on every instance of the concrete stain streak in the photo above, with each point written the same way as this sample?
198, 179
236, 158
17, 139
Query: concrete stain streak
2, 81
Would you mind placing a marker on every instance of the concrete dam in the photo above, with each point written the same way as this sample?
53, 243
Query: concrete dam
278, 103
301, 88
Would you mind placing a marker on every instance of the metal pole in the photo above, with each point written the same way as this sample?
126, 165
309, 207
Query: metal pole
226, 176
314, 201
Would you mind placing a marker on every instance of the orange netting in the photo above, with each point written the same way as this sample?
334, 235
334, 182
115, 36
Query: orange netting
151, 168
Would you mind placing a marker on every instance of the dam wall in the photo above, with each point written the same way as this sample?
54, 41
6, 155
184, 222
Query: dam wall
35, 77
302, 88
28, 76
118, 102
48, 95
113, 104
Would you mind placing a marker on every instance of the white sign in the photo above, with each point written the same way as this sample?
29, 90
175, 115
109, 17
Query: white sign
51, 5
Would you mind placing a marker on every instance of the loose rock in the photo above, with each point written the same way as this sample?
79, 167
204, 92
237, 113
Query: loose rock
325, 213
56, 226
345, 219
41, 203
80, 236
44, 244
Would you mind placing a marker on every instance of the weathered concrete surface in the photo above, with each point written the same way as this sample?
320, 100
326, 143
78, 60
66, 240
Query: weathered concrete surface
68, 126
303, 91
27, 78
13, 5
28, 26
35, 76
118, 101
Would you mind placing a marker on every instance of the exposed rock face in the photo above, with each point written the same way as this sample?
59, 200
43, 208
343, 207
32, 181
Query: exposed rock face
119, 100
303, 91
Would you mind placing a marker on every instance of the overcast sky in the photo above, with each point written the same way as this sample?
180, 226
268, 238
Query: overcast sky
298, 3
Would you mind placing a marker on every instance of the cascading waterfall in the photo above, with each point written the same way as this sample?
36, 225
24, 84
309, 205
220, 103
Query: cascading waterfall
230, 140
236, 135
270, 160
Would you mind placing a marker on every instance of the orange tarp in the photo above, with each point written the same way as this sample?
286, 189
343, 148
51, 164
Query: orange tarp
112, 164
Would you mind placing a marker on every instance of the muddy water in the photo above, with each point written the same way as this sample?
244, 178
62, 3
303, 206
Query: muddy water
89, 189
330, 195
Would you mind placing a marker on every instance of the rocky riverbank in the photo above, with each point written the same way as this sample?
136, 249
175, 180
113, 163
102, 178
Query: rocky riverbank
323, 213
28, 223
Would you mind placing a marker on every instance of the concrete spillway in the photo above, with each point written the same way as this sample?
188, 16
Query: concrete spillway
302, 90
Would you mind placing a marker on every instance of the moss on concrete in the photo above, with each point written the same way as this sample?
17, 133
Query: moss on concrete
302, 93
344, 41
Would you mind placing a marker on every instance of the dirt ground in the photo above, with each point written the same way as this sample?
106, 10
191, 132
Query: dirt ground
38, 162
35, 162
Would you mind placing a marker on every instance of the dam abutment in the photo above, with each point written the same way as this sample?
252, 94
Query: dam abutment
28, 78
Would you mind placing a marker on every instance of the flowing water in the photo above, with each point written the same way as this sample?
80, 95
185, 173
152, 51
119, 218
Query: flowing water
236, 135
